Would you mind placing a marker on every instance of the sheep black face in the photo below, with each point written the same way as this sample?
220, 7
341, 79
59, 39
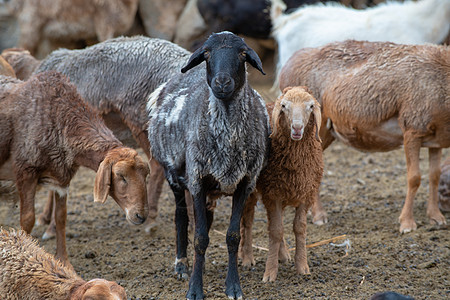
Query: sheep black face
225, 55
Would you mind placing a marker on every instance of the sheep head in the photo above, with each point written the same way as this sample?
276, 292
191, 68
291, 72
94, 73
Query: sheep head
122, 175
99, 289
225, 54
294, 106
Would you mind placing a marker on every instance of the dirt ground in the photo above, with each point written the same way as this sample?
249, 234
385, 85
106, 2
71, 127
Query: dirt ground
363, 194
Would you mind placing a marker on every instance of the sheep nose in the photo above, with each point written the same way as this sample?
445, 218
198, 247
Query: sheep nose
222, 85
222, 82
297, 128
140, 218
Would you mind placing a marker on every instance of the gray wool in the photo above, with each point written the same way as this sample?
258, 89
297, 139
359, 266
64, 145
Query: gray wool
194, 134
119, 72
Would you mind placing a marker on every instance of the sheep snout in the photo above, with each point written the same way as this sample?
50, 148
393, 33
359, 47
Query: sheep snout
296, 131
222, 86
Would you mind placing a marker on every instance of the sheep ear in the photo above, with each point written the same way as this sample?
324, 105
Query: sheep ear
275, 117
102, 182
318, 118
196, 58
253, 59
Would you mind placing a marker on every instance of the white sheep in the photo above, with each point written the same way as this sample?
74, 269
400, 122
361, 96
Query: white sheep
209, 130
378, 96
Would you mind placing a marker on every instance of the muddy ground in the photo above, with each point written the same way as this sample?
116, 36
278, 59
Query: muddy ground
363, 194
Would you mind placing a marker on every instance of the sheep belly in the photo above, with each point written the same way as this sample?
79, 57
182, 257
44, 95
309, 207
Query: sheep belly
385, 136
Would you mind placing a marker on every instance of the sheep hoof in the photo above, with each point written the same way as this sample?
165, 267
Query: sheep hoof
50, 233
320, 219
438, 219
406, 227
150, 226
234, 291
269, 277
182, 269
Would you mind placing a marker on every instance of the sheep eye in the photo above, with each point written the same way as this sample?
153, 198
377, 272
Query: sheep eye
243, 54
311, 106
206, 54
123, 178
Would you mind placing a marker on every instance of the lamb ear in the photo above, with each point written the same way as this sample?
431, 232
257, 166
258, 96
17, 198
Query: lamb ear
253, 59
318, 118
196, 58
275, 117
102, 182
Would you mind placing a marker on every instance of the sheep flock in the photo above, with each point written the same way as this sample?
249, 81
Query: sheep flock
253, 149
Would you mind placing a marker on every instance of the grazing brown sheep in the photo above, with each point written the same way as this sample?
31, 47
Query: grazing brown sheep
28, 272
291, 178
378, 96
46, 132
444, 186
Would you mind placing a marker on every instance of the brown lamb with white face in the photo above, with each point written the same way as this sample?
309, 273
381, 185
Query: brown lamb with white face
291, 178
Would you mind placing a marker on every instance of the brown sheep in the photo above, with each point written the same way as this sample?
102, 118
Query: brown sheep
378, 96
28, 272
70, 21
444, 186
291, 178
46, 133
22, 62
5, 68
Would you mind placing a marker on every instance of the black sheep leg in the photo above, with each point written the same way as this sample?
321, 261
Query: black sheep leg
232, 283
181, 223
203, 220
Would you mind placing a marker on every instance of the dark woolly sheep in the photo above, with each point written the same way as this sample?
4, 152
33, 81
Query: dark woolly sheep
291, 178
28, 272
46, 133
209, 130
379, 96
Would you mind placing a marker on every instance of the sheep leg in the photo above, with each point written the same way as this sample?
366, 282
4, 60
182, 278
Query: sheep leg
412, 151
46, 216
283, 253
50, 232
301, 262
275, 228
154, 189
60, 219
433, 212
245, 248
26, 185
181, 223
318, 211
232, 285
201, 241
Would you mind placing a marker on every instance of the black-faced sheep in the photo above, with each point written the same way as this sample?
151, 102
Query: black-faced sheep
28, 272
70, 21
209, 130
291, 178
135, 67
444, 186
46, 133
411, 22
378, 96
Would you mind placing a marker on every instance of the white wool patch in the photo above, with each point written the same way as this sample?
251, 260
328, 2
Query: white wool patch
175, 113
151, 100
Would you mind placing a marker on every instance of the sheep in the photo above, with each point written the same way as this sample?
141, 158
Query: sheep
378, 96
209, 130
425, 21
5, 68
46, 133
71, 21
21, 61
444, 186
291, 178
135, 66
28, 272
